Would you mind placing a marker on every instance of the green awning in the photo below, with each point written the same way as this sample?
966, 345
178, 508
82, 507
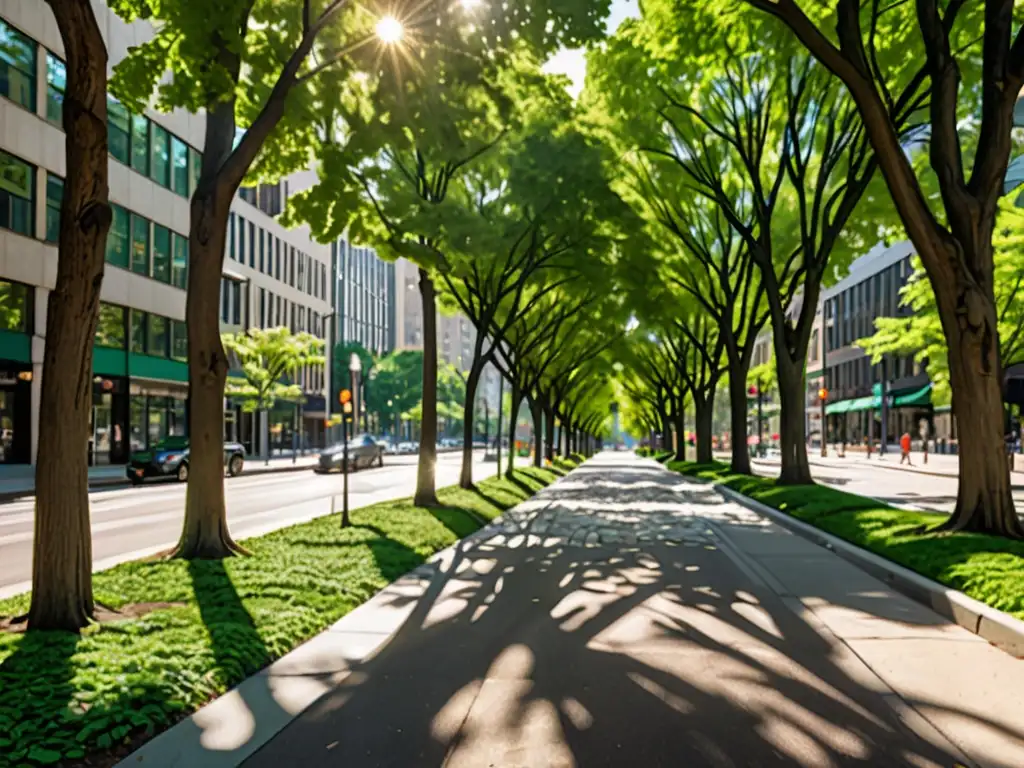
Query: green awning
855, 404
919, 398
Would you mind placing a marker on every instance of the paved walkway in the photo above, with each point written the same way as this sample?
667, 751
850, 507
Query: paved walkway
624, 617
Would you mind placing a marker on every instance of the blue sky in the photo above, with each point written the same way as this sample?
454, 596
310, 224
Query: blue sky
571, 62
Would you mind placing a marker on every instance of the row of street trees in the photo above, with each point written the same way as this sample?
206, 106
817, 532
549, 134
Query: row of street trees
402, 127
751, 154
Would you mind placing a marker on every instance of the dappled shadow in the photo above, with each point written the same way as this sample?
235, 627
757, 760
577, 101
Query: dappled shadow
602, 623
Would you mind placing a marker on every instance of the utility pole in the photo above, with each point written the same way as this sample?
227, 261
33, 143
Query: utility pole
823, 392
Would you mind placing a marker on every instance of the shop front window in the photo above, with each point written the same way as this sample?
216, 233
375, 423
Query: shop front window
17, 182
178, 421
15, 307
138, 422
157, 419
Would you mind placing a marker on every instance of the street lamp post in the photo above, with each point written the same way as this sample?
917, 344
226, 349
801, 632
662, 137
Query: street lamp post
354, 367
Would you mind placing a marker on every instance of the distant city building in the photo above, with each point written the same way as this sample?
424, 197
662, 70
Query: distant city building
366, 288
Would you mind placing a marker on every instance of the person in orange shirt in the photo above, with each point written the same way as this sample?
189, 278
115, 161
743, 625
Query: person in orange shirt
905, 449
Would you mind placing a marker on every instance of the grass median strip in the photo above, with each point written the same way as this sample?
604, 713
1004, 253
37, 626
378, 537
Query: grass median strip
69, 698
988, 568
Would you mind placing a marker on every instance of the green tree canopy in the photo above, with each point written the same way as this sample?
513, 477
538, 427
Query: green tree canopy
268, 360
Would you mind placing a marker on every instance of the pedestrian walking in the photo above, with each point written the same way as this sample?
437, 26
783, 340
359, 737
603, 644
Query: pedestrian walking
905, 449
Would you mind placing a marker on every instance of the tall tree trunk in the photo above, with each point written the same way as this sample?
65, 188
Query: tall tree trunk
472, 381
205, 530
704, 410
680, 414
513, 417
426, 493
792, 398
62, 547
549, 433
666, 431
740, 462
538, 434
984, 501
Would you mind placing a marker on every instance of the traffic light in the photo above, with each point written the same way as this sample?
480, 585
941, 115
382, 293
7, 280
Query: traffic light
823, 394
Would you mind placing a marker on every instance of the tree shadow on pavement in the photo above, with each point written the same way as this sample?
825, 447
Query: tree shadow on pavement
613, 637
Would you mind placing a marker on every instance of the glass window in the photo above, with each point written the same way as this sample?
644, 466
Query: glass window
262, 237
140, 245
54, 194
17, 67
157, 414
178, 426
118, 130
17, 185
140, 144
138, 416
56, 84
241, 239
195, 168
179, 267
117, 238
160, 163
110, 326
252, 245
157, 336
15, 307
231, 236
179, 341
236, 302
161, 253
138, 331
179, 163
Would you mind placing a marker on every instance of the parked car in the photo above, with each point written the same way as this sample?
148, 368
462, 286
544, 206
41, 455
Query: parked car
169, 458
363, 451
408, 447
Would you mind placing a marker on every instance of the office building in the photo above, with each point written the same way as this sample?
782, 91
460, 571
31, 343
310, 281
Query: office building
272, 276
365, 297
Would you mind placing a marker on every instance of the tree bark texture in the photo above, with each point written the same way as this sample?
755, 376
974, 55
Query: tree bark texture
792, 432
472, 382
538, 434
704, 409
62, 548
740, 461
426, 492
680, 415
513, 417
549, 432
666, 431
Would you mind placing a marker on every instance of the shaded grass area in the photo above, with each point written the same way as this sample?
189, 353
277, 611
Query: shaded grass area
68, 698
987, 568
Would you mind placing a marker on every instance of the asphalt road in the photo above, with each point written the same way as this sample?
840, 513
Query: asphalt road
128, 523
899, 488
607, 625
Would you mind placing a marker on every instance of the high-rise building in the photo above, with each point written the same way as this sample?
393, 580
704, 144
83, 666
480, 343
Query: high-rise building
272, 276
456, 334
365, 291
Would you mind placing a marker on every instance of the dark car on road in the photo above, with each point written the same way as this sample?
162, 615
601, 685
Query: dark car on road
363, 451
169, 458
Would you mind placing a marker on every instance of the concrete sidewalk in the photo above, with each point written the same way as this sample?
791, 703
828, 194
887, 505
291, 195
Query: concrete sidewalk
624, 616
939, 464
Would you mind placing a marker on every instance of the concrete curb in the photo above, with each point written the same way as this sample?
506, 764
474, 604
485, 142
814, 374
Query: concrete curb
1000, 629
235, 725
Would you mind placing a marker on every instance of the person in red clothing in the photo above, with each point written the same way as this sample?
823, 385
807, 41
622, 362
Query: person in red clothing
905, 449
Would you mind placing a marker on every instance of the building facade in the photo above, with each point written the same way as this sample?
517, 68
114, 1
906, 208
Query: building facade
140, 370
365, 297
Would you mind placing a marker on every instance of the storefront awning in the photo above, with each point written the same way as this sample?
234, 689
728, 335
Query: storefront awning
919, 398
